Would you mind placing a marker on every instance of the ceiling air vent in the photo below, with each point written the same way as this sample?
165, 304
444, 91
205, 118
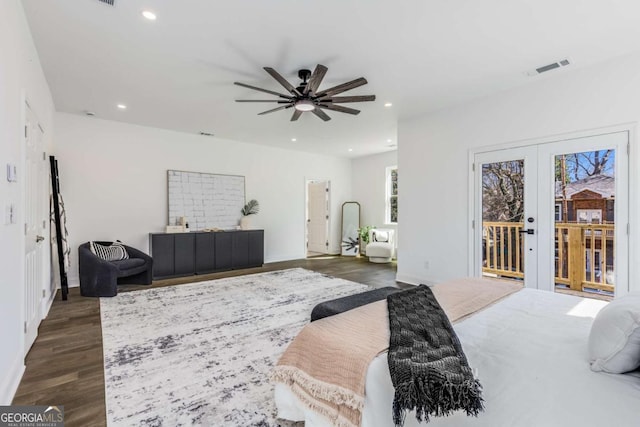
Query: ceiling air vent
549, 67
109, 2
206, 133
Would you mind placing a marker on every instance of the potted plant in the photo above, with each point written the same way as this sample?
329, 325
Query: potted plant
251, 208
363, 233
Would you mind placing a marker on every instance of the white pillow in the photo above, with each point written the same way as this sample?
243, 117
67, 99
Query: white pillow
614, 341
380, 236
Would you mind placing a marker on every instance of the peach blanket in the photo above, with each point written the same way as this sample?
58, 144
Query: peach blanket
325, 366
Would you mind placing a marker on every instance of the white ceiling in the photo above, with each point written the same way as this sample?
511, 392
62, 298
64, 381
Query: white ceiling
421, 55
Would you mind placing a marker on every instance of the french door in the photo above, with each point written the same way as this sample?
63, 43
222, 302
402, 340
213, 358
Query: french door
555, 215
506, 215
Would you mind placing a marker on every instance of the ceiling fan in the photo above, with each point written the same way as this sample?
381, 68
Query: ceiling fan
306, 96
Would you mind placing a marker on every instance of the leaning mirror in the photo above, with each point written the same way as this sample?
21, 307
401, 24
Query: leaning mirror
350, 226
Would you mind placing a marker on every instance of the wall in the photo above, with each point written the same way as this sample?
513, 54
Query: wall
368, 180
20, 75
434, 165
114, 182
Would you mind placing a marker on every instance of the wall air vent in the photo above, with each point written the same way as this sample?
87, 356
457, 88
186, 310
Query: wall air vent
549, 67
109, 2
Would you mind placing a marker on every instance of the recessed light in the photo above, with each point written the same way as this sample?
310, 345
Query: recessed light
293, 140
149, 15
122, 106
388, 104
389, 140
350, 149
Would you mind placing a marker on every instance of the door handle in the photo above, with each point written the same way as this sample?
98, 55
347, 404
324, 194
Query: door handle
528, 231
39, 239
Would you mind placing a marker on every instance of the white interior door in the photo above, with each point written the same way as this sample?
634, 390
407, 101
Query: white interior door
35, 218
505, 223
318, 216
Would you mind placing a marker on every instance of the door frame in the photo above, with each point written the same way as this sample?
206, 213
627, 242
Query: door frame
633, 189
306, 212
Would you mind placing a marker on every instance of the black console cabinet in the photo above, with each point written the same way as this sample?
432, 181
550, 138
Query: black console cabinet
185, 254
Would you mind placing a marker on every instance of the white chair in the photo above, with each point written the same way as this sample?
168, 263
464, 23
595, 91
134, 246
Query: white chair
380, 248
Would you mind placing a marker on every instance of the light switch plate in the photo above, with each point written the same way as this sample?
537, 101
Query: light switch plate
8, 214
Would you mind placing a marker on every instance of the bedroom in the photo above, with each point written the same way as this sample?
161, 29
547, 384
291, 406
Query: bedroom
465, 90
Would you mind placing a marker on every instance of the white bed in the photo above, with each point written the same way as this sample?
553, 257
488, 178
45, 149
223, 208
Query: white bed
530, 354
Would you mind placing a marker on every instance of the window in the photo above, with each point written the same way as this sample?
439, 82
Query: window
558, 212
392, 195
590, 216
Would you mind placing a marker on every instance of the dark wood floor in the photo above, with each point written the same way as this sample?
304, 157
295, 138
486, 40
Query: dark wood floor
65, 364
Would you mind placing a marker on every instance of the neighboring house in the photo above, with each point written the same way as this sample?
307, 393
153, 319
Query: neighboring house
589, 200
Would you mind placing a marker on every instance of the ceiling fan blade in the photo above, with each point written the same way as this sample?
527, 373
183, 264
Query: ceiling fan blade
264, 100
343, 99
315, 79
343, 87
275, 109
340, 108
296, 115
318, 112
273, 73
262, 90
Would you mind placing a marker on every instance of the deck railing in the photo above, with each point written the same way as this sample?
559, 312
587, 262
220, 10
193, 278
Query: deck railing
584, 253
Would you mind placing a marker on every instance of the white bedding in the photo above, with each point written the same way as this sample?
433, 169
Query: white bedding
530, 354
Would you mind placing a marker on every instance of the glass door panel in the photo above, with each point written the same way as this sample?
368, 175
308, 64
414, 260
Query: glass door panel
506, 236
503, 219
585, 197
584, 211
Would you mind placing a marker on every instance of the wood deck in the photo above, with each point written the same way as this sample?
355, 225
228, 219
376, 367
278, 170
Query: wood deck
65, 364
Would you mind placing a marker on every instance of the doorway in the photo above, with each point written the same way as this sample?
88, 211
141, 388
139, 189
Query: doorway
550, 215
35, 214
317, 217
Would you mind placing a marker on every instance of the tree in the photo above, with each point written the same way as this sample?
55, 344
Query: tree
503, 191
591, 163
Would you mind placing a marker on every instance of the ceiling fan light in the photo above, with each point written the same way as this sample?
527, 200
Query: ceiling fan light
304, 105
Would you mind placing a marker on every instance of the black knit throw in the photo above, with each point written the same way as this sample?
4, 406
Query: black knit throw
428, 368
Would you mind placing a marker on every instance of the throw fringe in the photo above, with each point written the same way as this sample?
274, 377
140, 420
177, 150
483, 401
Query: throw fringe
312, 392
318, 389
326, 411
436, 397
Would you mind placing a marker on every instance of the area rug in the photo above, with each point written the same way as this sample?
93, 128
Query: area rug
201, 354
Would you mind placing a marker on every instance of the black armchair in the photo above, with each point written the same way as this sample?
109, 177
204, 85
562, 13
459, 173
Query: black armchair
100, 278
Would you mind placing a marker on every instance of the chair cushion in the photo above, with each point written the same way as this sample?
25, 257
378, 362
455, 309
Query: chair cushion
379, 249
128, 264
339, 305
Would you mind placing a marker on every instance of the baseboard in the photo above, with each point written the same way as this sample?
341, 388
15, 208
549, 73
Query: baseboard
9, 385
413, 280
73, 282
281, 258
46, 306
